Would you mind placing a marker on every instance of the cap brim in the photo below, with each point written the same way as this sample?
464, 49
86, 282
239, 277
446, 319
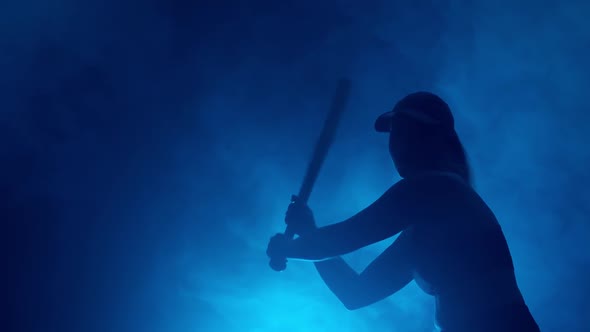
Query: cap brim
383, 122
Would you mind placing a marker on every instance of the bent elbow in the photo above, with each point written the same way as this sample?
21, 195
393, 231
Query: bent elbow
353, 304
351, 307
355, 296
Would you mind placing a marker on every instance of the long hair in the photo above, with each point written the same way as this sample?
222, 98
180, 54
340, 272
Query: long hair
428, 119
456, 157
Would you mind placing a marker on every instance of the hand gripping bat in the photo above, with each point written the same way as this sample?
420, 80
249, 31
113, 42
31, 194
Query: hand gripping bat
322, 146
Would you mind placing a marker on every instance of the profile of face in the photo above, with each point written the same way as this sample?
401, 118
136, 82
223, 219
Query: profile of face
412, 145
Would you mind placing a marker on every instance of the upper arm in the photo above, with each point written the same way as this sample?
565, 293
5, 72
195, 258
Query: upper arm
395, 210
384, 218
388, 273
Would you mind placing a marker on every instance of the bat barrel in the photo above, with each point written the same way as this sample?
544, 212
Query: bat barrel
325, 139
322, 146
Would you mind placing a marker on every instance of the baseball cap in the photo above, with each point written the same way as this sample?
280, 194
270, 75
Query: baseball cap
423, 106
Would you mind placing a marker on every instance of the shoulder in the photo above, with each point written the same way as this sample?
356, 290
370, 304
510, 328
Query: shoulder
427, 189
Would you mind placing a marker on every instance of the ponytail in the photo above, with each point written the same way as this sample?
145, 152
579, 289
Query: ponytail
458, 162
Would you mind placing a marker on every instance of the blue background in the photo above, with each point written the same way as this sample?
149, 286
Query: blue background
149, 150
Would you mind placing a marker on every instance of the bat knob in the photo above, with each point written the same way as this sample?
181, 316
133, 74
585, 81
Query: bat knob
278, 264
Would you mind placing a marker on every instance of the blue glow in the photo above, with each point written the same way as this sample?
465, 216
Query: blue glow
150, 150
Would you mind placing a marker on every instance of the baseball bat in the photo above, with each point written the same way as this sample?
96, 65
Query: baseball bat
339, 101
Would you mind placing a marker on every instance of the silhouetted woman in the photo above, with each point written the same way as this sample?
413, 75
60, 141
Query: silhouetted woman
450, 242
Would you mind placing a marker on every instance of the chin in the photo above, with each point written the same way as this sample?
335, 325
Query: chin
407, 170
401, 171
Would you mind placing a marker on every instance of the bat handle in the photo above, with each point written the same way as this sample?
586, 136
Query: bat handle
280, 264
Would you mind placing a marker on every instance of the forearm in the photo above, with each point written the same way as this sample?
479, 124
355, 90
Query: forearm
324, 243
310, 248
341, 279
